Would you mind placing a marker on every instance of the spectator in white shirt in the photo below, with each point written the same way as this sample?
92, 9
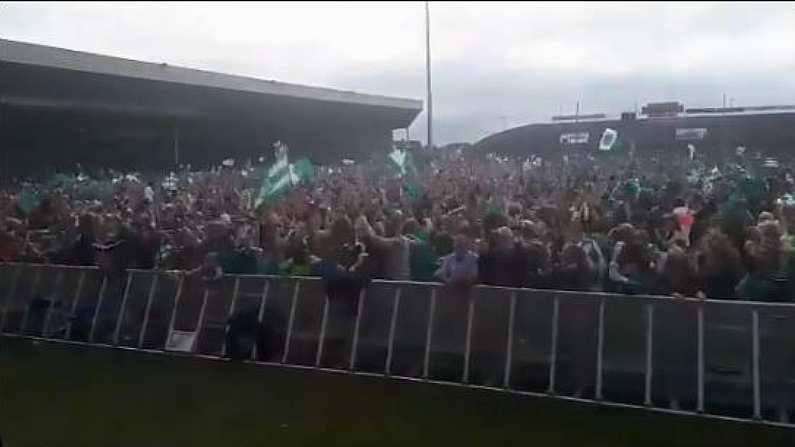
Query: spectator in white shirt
461, 267
149, 194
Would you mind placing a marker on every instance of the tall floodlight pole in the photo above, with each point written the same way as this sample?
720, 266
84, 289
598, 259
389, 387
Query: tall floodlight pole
428, 73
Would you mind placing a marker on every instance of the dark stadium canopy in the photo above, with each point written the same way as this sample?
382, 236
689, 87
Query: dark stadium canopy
766, 129
58, 107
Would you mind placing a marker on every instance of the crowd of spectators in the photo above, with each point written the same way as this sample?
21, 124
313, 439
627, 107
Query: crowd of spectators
648, 224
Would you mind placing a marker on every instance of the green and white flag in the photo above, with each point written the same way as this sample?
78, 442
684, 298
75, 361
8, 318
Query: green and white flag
786, 200
398, 159
28, 199
283, 176
402, 163
608, 140
710, 179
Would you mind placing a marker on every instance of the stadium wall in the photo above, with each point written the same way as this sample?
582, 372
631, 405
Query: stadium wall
769, 133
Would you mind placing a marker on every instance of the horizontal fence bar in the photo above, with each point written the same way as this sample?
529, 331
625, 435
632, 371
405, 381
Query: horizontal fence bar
56, 266
562, 293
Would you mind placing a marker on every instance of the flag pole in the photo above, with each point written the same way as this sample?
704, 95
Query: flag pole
428, 73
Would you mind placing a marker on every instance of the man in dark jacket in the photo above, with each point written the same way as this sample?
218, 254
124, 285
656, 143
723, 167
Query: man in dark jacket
81, 251
505, 263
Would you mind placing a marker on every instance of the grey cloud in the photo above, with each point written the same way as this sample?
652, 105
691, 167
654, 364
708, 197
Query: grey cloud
493, 65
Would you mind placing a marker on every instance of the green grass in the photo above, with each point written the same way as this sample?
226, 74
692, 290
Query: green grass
58, 395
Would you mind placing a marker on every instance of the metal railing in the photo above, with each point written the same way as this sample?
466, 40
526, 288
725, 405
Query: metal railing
731, 359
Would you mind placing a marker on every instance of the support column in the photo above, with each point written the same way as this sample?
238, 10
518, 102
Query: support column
175, 143
5, 168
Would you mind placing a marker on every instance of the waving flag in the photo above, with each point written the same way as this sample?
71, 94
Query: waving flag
402, 163
285, 179
28, 200
608, 140
786, 200
283, 176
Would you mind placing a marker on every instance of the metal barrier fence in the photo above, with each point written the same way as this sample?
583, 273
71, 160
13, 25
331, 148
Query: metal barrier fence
722, 358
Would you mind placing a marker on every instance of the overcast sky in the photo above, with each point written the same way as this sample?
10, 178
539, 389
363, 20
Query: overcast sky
494, 65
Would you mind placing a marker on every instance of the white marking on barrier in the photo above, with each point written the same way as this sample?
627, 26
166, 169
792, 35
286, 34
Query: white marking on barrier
755, 347
97, 309
468, 344
33, 291
56, 290
426, 363
553, 349
173, 318
321, 340
392, 325
148, 309
600, 345
235, 291
200, 322
700, 341
260, 314
290, 323
78, 291
356, 326
506, 380
120, 318
649, 353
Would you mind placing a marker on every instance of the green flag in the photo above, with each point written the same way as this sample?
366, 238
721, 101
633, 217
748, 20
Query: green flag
786, 200
401, 162
28, 200
282, 177
61, 181
413, 190
608, 140
302, 171
397, 158
95, 190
